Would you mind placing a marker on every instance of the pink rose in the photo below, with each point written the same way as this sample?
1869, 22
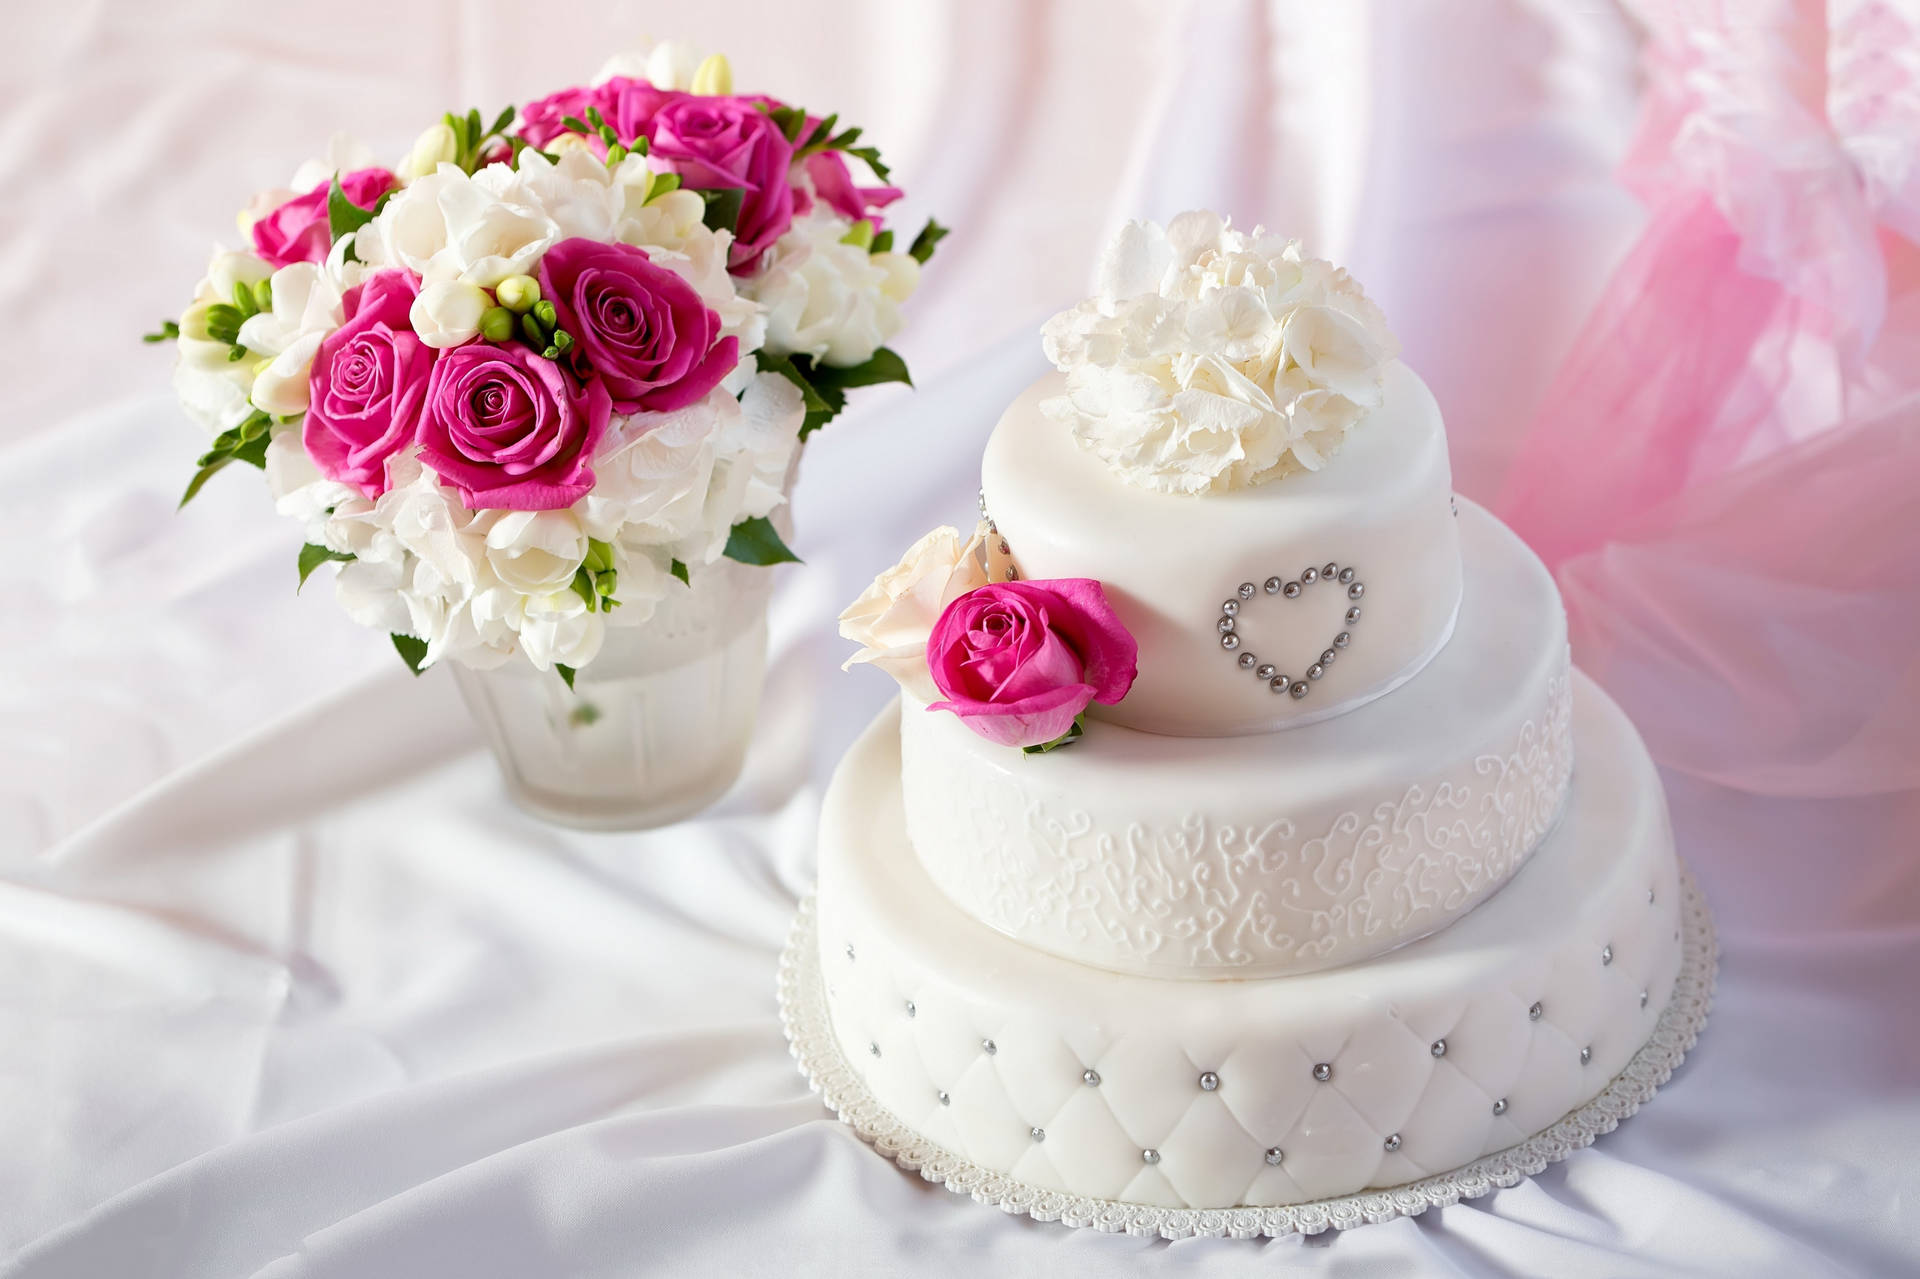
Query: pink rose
714, 143
1019, 661
367, 385
510, 429
834, 187
298, 230
540, 122
640, 328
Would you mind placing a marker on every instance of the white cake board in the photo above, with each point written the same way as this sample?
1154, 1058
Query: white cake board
803, 1014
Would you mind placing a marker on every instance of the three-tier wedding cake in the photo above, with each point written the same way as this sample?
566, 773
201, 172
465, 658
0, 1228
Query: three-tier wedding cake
1242, 855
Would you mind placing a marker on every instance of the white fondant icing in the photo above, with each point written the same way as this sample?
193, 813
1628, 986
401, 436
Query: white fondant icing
1253, 856
1590, 922
1382, 506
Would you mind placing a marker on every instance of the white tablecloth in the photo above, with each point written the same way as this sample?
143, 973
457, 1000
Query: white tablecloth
288, 989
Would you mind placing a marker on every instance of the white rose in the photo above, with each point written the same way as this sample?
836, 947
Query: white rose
447, 312
435, 146
825, 298
894, 617
536, 552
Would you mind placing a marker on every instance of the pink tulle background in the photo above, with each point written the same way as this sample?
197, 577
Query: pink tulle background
1725, 472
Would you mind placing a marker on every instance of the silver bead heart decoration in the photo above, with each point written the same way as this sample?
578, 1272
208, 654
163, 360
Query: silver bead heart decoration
1227, 627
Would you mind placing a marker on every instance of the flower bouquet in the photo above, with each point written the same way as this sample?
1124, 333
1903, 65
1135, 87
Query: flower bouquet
538, 391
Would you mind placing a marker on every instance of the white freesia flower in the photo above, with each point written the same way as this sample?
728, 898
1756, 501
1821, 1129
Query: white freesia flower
1213, 359
557, 629
306, 307
447, 312
345, 154
435, 146
536, 552
828, 299
669, 64
452, 226
576, 193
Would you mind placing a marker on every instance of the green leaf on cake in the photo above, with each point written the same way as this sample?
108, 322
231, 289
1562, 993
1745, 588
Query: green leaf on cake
1073, 734
412, 651
723, 207
757, 542
312, 556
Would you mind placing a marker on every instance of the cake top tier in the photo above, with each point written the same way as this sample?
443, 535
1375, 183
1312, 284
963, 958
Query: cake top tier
1213, 359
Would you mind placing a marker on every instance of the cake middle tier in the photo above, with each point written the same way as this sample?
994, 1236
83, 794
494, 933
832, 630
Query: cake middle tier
1279, 853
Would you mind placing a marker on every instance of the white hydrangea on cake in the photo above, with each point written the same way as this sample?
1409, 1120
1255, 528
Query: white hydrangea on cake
543, 372
1213, 359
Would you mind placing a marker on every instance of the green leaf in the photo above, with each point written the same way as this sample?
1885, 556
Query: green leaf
344, 217
574, 124
412, 651
882, 243
723, 207
679, 570
200, 478
1073, 734
565, 673
503, 121
930, 234
661, 183
254, 451
582, 585
788, 368
313, 556
885, 366
168, 330
756, 541
872, 156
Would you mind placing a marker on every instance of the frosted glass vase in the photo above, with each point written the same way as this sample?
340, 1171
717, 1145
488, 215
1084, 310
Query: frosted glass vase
655, 728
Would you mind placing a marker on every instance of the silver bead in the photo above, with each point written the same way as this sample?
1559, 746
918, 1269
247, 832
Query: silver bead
1246, 590
1299, 689
944, 1099
1013, 574
1353, 615
1606, 955
1230, 608
1229, 641
911, 1010
1586, 1055
1274, 1156
1279, 683
1208, 1081
1343, 639
1090, 1077
1500, 1107
1439, 1048
1330, 569
1291, 590
1247, 660
1038, 1134
1310, 576
1392, 1143
1346, 576
1326, 658
1316, 671
1226, 624
1355, 591
874, 1049
1643, 999
1004, 548
1266, 672
1533, 1013
1323, 1072
1273, 586
987, 1047
1150, 1156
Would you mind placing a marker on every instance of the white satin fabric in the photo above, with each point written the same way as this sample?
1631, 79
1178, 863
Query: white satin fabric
287, 988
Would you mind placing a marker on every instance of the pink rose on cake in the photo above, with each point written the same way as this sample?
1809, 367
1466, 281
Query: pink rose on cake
640, 328
1020, 661
367, 385
299, 231
893, 618
510, 429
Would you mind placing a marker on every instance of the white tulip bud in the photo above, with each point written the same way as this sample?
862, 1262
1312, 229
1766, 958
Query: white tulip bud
434, 147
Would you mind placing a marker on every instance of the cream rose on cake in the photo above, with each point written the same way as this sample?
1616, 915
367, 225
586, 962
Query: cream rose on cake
1213, 359
541, 373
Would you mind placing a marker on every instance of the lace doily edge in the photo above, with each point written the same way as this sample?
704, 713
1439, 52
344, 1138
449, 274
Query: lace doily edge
803, 1017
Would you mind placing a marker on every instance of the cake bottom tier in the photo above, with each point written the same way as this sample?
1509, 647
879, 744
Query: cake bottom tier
1214, 1095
